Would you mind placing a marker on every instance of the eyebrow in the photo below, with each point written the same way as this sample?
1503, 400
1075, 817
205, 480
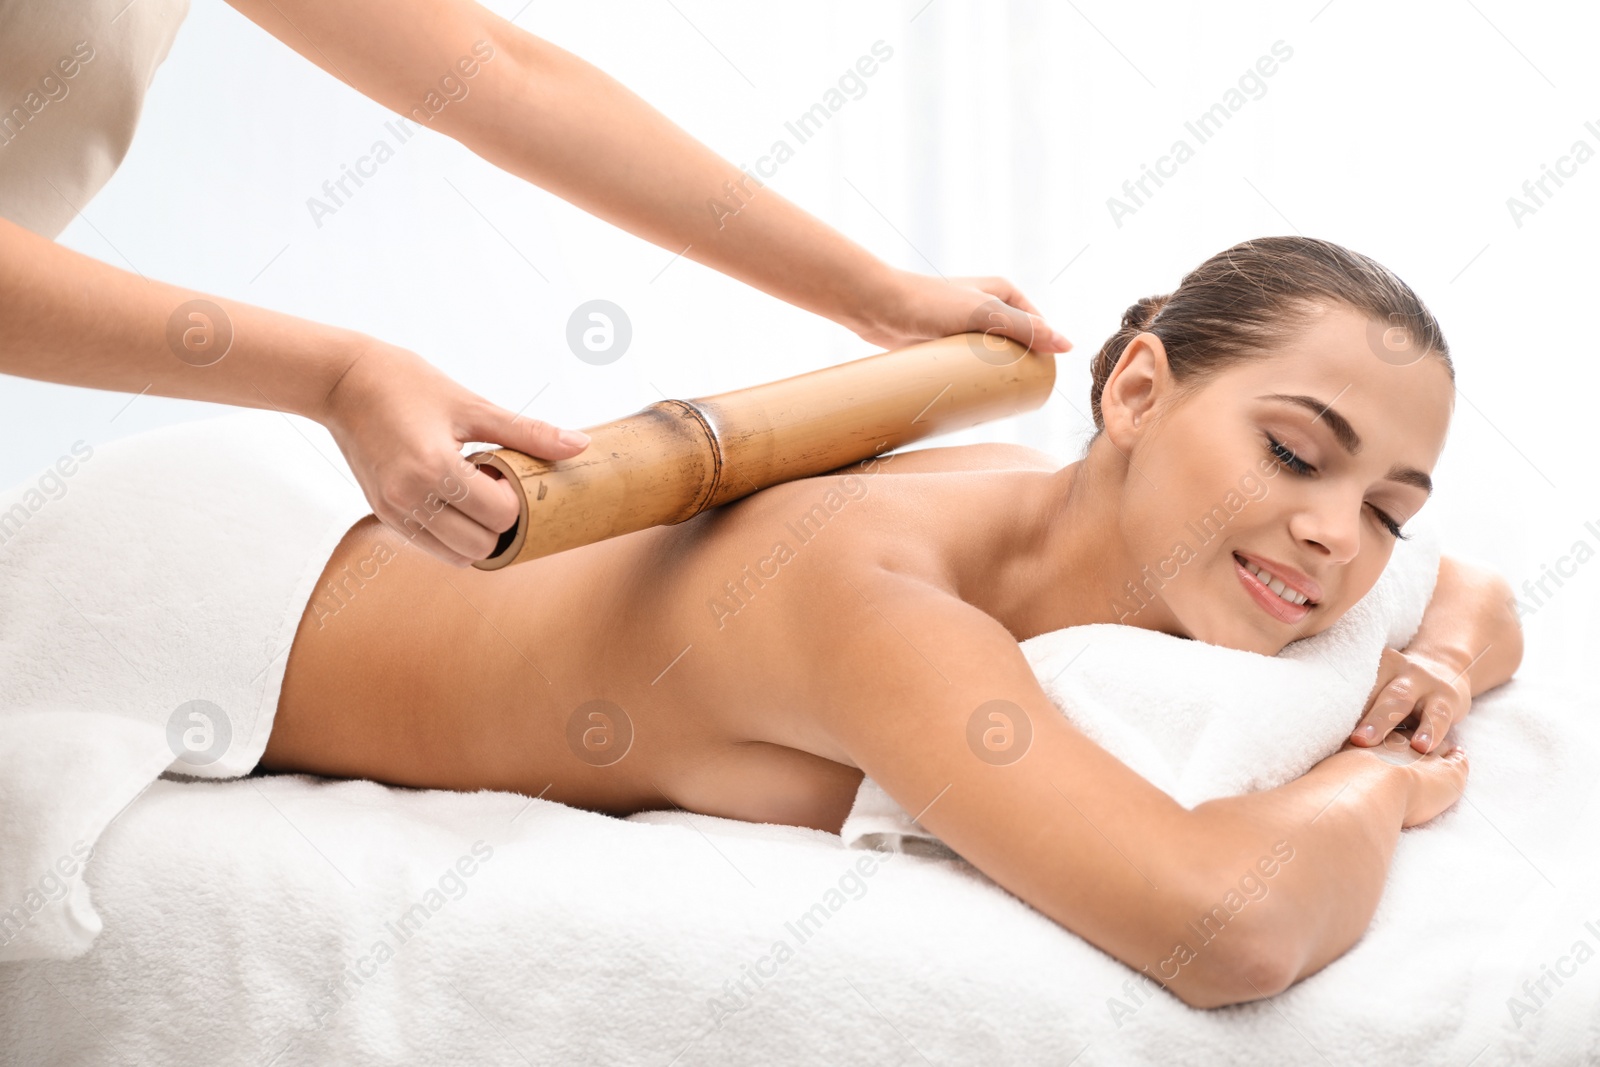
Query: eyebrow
1348, 439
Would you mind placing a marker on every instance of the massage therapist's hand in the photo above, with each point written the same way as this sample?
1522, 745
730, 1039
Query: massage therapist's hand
1414, 683
401, 424
924, 307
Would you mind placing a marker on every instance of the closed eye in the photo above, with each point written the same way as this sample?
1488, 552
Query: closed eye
1285, 457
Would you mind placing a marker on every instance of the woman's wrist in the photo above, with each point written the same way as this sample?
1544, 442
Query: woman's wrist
1446, 654
1470, 627
1376, 775
1451, 660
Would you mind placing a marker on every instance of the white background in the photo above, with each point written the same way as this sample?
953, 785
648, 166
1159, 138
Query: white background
989, 143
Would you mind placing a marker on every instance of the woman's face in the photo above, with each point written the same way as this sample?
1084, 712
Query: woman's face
1296, 463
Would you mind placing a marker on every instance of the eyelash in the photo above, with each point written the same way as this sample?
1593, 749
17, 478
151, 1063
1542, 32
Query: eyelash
1286, 458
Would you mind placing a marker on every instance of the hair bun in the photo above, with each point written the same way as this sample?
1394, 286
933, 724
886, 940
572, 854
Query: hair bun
1142, 313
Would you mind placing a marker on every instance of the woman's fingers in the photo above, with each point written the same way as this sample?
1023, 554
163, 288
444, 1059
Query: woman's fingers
1395, 702
1433, 782
1436, 719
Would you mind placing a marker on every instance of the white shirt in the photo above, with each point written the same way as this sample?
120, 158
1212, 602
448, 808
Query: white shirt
73, 74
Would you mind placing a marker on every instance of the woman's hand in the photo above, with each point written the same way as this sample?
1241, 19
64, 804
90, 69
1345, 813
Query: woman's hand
401, 425
923, 308
1432, 782
1411, 683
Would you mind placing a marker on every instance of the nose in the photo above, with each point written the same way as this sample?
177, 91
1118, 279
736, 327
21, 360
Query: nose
1331, 523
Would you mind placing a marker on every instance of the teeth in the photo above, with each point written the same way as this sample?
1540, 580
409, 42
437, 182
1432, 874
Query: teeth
1276, 584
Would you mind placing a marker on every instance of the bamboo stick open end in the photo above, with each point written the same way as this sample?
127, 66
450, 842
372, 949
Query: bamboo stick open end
511, 541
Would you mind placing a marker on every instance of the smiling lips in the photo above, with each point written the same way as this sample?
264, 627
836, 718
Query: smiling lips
1282, 600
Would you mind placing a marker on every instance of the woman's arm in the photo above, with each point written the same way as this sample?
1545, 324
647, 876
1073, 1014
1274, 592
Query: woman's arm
1228, 902
547, 116
1323, 906
1469, 641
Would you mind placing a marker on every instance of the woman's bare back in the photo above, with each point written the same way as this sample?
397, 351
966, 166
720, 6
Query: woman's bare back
632, 674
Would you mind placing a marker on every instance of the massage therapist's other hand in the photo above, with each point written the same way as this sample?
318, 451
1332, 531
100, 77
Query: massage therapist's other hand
1414, 683
401, 424
922, 308
1431, 783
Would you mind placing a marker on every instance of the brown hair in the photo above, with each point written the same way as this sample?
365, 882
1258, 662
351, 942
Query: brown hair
1240, 303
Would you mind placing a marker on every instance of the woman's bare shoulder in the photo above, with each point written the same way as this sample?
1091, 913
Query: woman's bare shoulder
987, 455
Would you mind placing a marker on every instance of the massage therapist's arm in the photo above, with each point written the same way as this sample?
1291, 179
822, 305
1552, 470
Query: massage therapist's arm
547, 116
1284, 880
400, 422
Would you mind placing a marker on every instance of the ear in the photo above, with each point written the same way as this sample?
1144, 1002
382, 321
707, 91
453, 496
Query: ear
1139, 380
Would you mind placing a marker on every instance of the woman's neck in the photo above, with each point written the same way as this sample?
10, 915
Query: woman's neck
1062, 560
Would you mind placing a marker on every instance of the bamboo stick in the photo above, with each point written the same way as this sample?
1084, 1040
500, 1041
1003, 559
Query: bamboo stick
676, 458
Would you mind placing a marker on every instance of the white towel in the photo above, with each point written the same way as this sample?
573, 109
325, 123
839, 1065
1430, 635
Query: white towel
149, 591
242, 920
1212, 721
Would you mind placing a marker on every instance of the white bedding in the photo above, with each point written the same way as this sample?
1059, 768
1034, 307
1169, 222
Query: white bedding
231, 907
240, 921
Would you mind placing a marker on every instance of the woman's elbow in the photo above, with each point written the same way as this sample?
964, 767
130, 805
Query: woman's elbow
1244, 969
1232, 940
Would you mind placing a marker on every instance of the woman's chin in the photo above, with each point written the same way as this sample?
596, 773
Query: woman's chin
1272, 644
1236, 636
1267, 637
1260, 646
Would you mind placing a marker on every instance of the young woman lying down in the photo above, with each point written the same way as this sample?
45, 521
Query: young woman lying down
757, 660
